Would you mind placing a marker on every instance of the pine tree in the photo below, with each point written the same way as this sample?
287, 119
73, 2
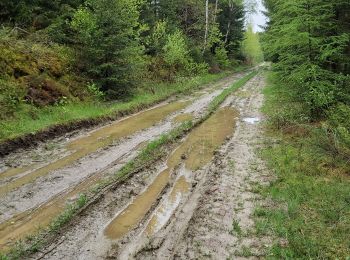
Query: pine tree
109, 38
309, 50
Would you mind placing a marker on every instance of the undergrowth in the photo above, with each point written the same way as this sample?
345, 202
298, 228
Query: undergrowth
310, 213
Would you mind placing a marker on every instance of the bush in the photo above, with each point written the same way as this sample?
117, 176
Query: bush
176, 51
339, 116
221, 57
11, 95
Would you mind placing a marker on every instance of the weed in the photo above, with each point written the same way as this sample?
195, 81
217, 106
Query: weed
236, 228
244, 252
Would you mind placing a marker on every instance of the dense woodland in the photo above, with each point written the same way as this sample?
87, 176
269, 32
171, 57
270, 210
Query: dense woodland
54, 52
309, 44
308, 104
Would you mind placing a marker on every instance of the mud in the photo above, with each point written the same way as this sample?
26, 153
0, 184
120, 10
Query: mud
183, 117
196, 151
34, 204
96, 140
191, 218
222, 194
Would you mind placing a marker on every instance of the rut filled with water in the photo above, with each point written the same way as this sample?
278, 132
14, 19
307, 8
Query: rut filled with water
195, 152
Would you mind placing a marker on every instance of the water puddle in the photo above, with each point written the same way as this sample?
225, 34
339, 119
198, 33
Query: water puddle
30, 221
14, 172
134, 213
168, 206
251, 120
195, 152
183, 118
96, 140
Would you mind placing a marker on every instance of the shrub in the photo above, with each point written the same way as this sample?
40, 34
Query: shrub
176, 51
11, 95
221, 57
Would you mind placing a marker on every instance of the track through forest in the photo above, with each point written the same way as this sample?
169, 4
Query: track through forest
183, 207
36, 184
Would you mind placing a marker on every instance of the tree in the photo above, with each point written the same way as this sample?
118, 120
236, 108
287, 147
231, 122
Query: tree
109, 39
231, 23
313, 55
251, 47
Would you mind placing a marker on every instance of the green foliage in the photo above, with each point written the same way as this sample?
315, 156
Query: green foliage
109, 38
156, 41
11, 96
95, 91
310, 195
309, 42
176, 51
177, 58
221, 57
251, 47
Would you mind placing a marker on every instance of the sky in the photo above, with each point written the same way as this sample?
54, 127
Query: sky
258, 18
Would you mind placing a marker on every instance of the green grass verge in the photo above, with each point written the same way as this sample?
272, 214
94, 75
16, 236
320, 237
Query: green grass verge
31, 120
311, 193
154, 151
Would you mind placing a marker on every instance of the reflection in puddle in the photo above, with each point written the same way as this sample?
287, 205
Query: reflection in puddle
183, 117
168, 206
195, 152
251, 120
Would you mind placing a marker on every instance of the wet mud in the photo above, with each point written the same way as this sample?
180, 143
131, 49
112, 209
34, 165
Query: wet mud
195, 152
35, 206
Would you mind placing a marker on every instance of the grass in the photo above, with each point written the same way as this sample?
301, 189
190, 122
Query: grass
311, 194
155, 150
31, 120
236, 228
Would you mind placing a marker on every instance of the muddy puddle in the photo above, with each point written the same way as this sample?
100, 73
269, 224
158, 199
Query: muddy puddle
194, 153
183, 118
98, 139
251, 120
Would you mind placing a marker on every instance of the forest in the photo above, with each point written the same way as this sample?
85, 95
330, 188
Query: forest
59, 53
308, 103
126, 125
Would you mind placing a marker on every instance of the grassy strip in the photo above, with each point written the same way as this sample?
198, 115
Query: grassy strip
149, 155
311, 193
31, 120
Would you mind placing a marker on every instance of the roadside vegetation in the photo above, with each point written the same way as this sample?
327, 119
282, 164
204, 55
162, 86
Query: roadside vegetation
308, 109
154, 151
75, 59
310, 208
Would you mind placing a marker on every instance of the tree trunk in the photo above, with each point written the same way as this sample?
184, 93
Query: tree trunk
216, 10
206, 24
227, 32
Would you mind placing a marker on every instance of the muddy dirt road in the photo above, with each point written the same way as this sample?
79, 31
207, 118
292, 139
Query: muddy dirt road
196, 204
36, 184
